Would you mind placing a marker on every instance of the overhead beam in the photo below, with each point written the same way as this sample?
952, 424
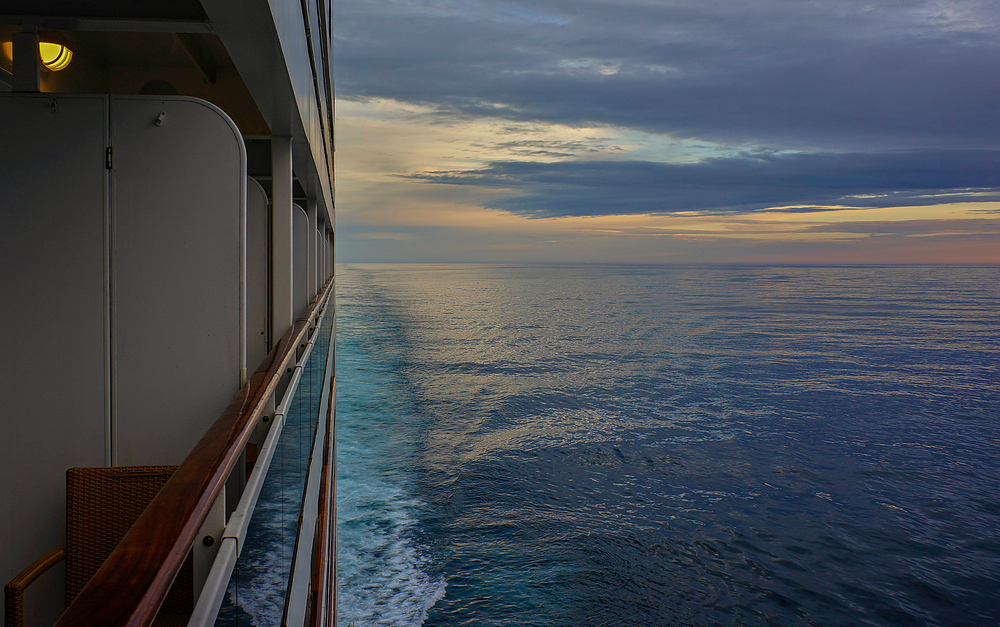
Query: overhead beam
27, 66
199, 52
108, 25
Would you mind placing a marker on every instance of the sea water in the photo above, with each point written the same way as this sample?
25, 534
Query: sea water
667, 445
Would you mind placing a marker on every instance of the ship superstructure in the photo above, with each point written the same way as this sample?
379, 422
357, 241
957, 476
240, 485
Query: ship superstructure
166, 270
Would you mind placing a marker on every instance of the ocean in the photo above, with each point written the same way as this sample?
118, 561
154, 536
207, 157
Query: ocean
668, 445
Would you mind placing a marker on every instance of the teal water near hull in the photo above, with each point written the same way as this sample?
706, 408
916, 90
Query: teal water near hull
659, 445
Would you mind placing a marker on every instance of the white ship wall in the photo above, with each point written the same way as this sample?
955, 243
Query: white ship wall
55, 353
123, 307
177, 208
300, 259
258, 342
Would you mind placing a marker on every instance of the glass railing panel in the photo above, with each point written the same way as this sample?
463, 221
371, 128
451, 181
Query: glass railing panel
259, 584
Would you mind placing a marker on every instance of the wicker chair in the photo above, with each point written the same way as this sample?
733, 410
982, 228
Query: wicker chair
101, 505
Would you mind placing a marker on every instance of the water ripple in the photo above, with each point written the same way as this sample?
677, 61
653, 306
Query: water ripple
590, 445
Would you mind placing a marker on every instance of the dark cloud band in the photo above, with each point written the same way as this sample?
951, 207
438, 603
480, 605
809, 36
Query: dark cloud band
744, 184
839, 76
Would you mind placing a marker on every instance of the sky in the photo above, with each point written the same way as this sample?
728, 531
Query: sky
668, 131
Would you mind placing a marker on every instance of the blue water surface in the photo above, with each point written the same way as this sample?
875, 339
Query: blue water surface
665, 445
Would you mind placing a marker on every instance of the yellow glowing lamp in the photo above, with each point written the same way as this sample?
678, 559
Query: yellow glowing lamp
55, 56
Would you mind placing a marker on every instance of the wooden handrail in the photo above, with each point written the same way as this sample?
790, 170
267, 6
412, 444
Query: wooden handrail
128, 589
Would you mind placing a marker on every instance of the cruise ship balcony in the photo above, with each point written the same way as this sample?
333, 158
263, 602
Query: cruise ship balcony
166, 272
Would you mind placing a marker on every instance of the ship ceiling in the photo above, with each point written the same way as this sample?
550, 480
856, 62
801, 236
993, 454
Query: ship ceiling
155, 47
154, 63
186, 10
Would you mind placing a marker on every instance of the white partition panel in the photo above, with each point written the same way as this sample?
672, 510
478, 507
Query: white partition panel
178, 197
257, 224
311, 214
330, 258
283, 312
52, 312
320, 258
300, 260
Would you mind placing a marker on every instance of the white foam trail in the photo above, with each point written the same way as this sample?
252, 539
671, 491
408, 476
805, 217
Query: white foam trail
383, 570
385, 574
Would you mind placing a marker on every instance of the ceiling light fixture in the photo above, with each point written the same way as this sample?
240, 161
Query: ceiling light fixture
52, 50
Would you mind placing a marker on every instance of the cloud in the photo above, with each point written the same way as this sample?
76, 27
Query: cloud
920, 228
397, 236
733, 185
843, 75
668, 129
